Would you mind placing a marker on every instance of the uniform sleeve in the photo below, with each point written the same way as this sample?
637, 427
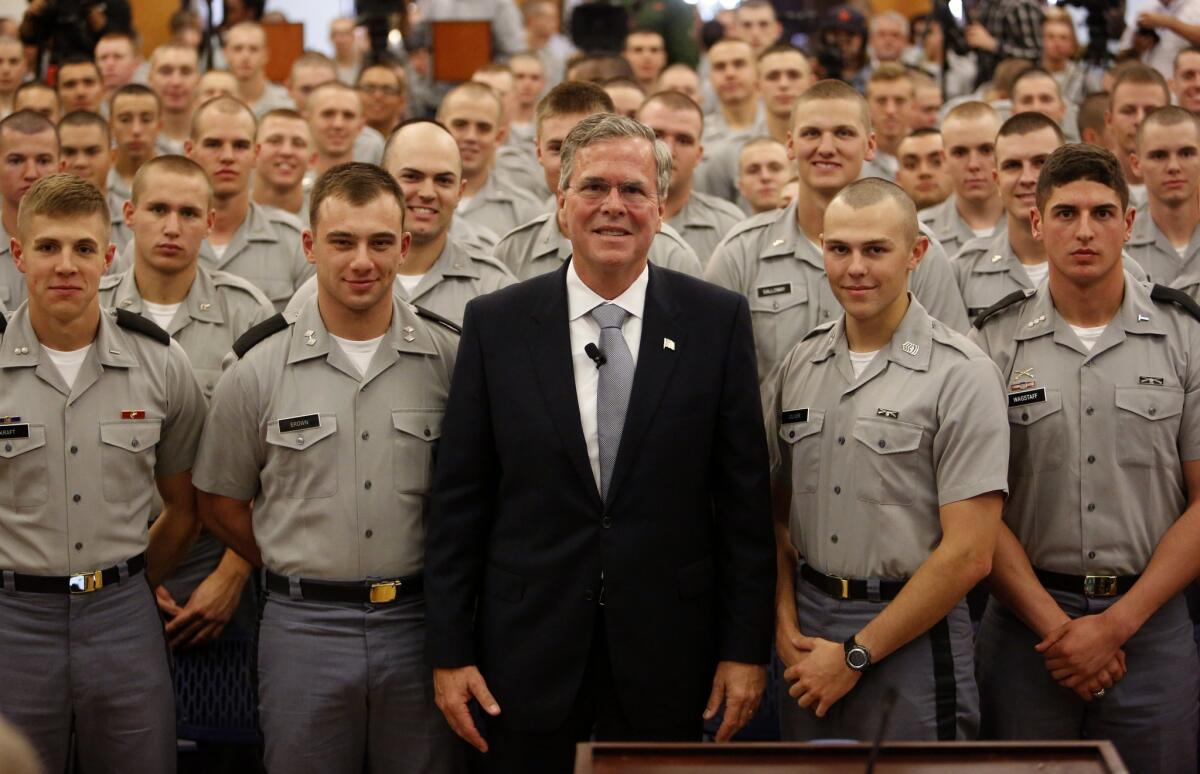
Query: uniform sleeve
185, 416
231, 447
934, 286
675, 254
1189, 425
970, 448
508, 253
778, 455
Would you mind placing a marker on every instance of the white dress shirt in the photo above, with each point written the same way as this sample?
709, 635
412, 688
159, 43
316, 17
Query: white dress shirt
585, 330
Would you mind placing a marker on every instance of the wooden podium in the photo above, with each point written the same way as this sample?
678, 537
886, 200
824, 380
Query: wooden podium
894, 758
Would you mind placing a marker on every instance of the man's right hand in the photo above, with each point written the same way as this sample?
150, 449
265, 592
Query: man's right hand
453, 689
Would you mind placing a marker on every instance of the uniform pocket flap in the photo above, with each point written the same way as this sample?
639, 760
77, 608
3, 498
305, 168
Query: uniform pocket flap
301, 432
504, 584
1151, 403
796, 431
425, 424
887, 436
1028, 413
696, 578
131, 435
17, 439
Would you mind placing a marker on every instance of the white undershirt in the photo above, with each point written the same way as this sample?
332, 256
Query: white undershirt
585, 330
161, 314
860, 360
1089, 336
409, 281
984, 232
359, 352
1180, 249
219, 250
1037, 272
68, 363
463, 203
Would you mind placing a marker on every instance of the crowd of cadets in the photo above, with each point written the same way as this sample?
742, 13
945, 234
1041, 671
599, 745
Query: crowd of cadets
209, 182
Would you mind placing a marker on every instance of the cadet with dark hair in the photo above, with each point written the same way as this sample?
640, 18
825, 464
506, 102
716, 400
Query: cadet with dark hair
1087, 634
29, 146
100, 410
85, 150
338, 475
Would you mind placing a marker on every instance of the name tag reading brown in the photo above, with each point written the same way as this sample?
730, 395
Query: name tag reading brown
306, 422
1026, 397
14, 431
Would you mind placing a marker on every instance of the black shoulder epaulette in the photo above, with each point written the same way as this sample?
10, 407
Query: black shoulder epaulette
437, 319
822, 328
132, 321
1178, 297
3, 323
1004, 303
254, 335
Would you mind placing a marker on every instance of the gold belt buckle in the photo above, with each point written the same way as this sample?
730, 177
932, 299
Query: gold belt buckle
845, 586
1100, 585
86, 583
385, 591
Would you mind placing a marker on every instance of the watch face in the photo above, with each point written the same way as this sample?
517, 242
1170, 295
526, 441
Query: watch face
857, 658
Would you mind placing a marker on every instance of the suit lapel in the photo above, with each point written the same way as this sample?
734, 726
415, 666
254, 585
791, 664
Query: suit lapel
550, 347
662, 337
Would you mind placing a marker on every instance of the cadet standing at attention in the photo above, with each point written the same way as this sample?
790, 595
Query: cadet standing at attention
328, 423
96, 409
888, 460
1103, 528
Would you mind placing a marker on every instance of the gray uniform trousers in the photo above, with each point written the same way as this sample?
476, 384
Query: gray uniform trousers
1151, 715
99, 659
345, 688
933, 676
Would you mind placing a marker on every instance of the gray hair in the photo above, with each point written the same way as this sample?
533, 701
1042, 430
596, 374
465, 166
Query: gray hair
599, 127
893, 16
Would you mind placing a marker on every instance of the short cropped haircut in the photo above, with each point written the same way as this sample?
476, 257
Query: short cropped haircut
1091, 113
474, 90
833, 89
26, 122
869, 191
1006, 74
1034, 72
1139, 74
85, 118
673, 100
133, 90
571, 98
609, 126
598, 66
1081, 161
127, 35
171, 45
391, 140
178, 165
780, 48
1028, 123
225, 105
1168, 115
923, 131
62, 195
288, 113
356, 183
1182, 51
889, 72
972, 109
72, 60
312, 58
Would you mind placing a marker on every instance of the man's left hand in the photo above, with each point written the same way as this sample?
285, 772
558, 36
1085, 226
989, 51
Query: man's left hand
208, 610
740, 687
821, 677
1080, 648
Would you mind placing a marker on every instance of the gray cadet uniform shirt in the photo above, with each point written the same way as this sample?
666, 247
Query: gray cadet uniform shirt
475, 236
78, 465
499, 208
273, 96
219, 307
1098, 437
717, 129
265, 249
704, 221
458, 275
871, 460
987, 270
12, 281
884, 165
718, 173
949, 228
338, 465
782, 274
538, 247
521, 171
1151, 248
368, 146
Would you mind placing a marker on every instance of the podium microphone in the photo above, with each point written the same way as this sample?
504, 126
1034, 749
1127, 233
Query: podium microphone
886, 704
592, 351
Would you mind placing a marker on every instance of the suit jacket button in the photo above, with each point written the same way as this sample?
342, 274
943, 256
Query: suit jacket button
606, 522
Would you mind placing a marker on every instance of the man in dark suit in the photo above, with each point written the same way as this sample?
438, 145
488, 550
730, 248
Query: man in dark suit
599, 557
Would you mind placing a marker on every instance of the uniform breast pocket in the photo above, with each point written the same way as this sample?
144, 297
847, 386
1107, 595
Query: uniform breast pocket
779, 314
1148, 425
803, 439
1037, 435
417, 433
127, 456
887, 460
304, 460
23, 476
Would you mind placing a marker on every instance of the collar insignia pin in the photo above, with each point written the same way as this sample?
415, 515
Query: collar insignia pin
777, 243
1143, 318
310, 338
205, 307
910, 348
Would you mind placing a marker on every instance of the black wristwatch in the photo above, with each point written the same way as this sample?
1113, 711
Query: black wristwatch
858, 658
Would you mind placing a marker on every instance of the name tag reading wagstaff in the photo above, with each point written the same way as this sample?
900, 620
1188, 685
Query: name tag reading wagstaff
306, 422
1025, 397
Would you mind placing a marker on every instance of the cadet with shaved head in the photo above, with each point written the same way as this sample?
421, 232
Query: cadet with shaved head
174, 75
285, 153
763, 170
84, 146
29, 148
246, 53
883, 415
922, 173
